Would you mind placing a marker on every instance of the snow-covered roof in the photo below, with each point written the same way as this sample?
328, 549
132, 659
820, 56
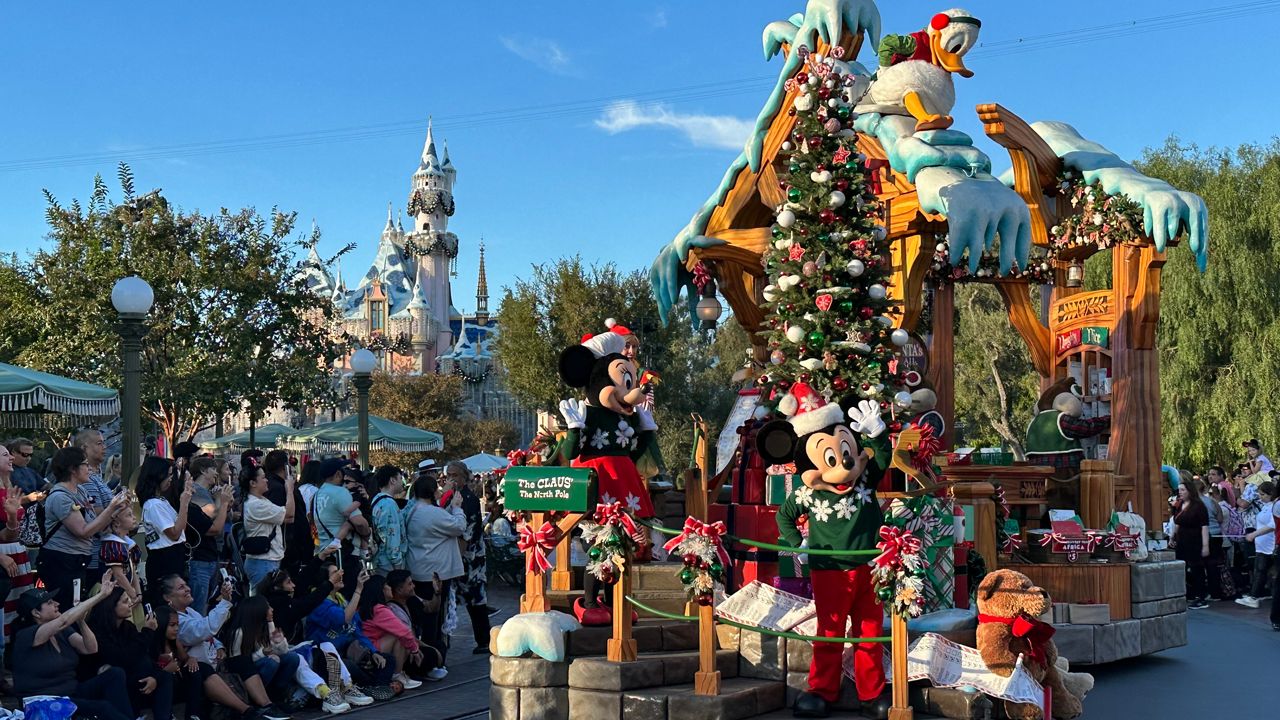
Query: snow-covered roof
430, 163
316, 275
474, 343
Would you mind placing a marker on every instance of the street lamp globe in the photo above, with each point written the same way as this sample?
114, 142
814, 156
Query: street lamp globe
363, 361
132, 296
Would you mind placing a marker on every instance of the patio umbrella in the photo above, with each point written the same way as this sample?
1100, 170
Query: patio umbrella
344, 437
32, 399
263, 437
484, 462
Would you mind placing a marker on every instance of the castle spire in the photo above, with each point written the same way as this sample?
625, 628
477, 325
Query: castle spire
482, 291
400, 222
429, 156
447, 164
390, 225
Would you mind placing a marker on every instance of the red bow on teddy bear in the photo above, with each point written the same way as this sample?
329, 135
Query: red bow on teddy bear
1035, 632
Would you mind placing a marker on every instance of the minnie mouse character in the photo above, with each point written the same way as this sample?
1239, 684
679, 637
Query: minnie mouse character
607, 432
840, 464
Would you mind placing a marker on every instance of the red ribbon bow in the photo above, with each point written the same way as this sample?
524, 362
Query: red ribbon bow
710, 531
616, 514
894, 543
1035, 632
536, 545
701, 276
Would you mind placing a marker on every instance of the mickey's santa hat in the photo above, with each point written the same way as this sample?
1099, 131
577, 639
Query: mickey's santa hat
807, 410
609, 342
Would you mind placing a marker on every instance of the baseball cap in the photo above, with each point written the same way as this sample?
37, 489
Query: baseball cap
1252, 443
31, 600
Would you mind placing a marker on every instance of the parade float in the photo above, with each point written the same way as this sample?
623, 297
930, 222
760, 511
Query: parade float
837, 238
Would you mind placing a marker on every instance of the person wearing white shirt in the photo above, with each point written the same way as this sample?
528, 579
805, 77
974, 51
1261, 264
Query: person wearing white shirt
264, 523
198, 634
1264, 545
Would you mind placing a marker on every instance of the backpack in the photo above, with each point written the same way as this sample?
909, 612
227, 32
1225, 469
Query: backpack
31, 532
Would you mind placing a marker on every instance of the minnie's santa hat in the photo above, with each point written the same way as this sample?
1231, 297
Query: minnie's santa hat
609, 342
807, 410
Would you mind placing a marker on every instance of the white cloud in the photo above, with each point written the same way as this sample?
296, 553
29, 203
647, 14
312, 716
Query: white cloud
542, 52
659, 18
714, 131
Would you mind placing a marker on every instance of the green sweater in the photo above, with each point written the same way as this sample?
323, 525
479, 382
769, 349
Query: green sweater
839, 522
607, 433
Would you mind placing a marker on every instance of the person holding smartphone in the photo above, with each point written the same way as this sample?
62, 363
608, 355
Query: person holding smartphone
123, 645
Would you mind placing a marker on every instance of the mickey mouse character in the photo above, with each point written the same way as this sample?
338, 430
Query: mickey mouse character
839, 464
607, 432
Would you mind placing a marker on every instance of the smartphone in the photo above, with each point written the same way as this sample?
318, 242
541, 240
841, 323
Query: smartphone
146, 607
226, 576
75, 591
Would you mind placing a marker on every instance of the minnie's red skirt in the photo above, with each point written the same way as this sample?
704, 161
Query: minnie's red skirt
620, 481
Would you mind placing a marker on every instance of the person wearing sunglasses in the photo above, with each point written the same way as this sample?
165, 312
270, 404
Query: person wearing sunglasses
25, 476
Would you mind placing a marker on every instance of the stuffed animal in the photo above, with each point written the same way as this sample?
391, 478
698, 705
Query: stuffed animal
839, 463
1009, 606
1054, 436
606, 432
915, 70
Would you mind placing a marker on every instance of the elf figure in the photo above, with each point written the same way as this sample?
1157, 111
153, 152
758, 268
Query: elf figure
839, 463
1054, 436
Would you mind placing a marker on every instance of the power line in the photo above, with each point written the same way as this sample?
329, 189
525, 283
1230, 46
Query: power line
643, 99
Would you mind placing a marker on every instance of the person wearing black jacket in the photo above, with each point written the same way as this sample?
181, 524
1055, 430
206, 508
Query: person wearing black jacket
121, 644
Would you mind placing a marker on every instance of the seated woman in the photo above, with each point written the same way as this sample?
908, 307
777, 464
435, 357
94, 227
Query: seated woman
47, 650
197, 635
412, 611
336, 621
290, 611
122, 645
386, 631
258, 648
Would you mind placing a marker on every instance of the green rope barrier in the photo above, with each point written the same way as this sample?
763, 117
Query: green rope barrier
769, 546
756, 628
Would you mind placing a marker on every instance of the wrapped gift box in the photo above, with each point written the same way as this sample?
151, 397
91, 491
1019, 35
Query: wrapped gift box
778, 486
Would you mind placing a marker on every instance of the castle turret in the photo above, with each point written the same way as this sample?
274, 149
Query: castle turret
429, 241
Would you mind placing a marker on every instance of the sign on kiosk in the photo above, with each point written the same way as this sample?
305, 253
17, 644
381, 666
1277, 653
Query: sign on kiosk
549, 489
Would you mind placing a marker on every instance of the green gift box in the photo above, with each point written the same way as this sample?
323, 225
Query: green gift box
778, 487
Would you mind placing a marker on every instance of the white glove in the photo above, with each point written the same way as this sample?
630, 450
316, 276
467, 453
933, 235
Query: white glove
574, 412
866, 418
646, 419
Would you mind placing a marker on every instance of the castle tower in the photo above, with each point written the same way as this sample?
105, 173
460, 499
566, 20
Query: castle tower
482, 292
434, 248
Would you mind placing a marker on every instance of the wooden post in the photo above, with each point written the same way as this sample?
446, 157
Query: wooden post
978, 494
901, 708
622, 647
562, 575
1097, 492
942, 358
707, 679
535, 589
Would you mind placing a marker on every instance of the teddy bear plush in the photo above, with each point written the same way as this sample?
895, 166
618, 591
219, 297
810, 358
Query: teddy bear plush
1009, 604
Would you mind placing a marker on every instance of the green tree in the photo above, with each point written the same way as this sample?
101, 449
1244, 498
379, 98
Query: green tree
996, 382
1219, 330
434, 402
232, 322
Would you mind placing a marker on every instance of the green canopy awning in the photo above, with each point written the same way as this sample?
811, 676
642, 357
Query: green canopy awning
30, 398
344, 437
263, 437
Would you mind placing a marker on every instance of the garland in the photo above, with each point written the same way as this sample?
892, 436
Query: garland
701, 547
611, 538
472, 379
445, 243
900, 571
1008, 542
1101, 220
1039, 267
380, 343
430, 202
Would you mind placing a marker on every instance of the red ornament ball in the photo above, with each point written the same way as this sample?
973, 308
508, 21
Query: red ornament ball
804, 377
865, 313
840, 384
824, 92
842, 184
704, 600
884, 405
802, 77
866, 386
827, 216
815, 141
690, 559
895, 426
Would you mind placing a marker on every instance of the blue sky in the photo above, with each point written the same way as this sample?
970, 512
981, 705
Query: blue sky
522, 92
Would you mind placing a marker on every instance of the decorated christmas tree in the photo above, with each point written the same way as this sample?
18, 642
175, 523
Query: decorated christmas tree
829, 262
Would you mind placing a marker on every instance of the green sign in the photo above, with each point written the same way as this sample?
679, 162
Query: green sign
1094, 336
548, 489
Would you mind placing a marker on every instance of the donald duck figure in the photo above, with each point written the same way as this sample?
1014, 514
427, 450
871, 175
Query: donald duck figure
915, 70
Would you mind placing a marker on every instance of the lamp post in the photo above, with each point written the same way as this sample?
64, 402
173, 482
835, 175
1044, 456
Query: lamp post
132, 298
362, 363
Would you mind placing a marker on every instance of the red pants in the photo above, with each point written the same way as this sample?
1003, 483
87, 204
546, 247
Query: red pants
838, 596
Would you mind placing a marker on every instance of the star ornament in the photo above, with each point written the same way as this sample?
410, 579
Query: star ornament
841, 155
797, 252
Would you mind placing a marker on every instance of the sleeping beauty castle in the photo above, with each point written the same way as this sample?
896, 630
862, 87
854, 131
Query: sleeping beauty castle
403, 306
